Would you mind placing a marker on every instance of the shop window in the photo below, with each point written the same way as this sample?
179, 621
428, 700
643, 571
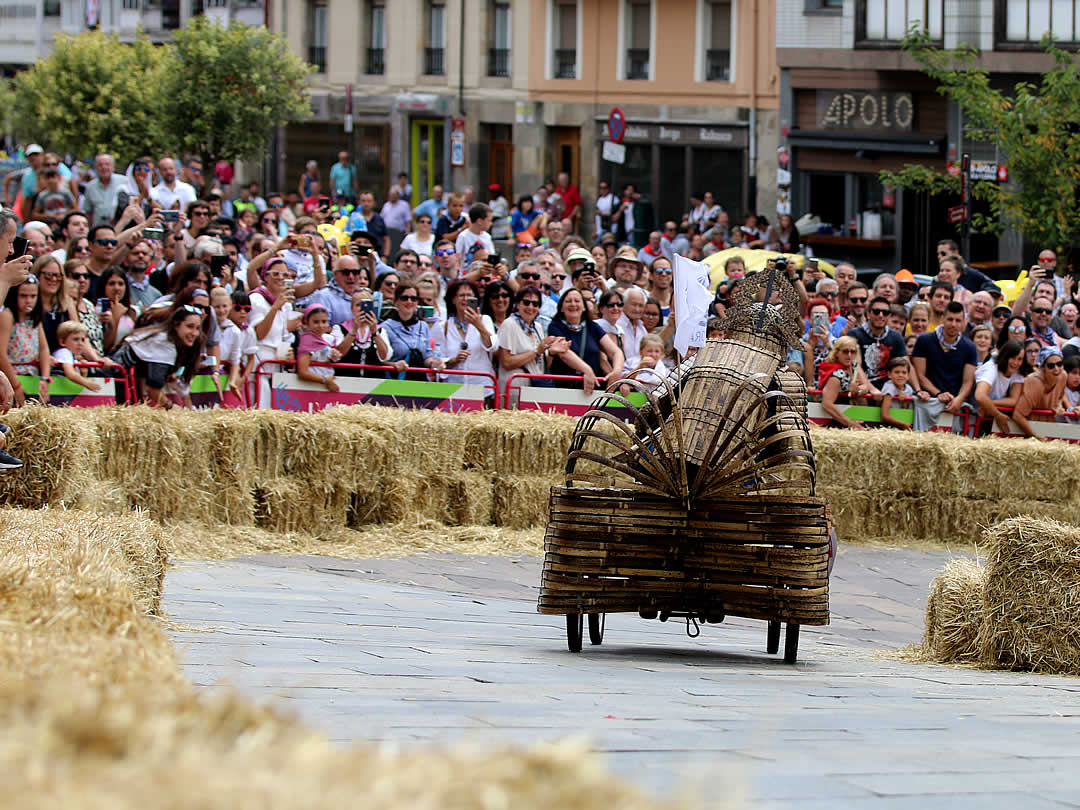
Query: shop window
317, 36
376, 52
564, 38
719, 25
823, 7
499, 37
1023, 23
637, 34
887, 21
435, 39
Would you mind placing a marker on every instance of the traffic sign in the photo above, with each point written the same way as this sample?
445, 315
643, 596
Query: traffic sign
613, 152
957, 214
616, 125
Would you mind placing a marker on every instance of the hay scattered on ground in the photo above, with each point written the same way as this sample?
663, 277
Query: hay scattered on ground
954, 612
96, 714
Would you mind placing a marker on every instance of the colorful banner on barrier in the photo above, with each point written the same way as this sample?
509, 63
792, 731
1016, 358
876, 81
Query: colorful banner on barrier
870, 415
289, 393
205, 392
572, 401
1061, 431
63, 391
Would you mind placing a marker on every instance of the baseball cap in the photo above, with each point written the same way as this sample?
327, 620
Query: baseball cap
905, 276
1002, 308
993, 289
34, 149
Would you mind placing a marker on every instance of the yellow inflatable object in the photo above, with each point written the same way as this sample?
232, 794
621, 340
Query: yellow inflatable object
329, 232
754, 260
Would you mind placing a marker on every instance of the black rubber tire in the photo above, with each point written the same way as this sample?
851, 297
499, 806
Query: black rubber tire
596, 628
772, 644
791, 643
574, 626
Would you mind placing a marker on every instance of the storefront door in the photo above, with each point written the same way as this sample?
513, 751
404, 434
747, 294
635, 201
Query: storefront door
426, 150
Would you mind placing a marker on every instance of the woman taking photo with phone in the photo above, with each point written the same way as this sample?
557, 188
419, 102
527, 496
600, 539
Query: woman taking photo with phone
361, 342
273, 320
467, 336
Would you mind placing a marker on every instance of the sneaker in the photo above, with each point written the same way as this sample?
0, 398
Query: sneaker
8, 461
5, 429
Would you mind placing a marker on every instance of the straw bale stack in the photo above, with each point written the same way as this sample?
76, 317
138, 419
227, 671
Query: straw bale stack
954, 612
510, 443
1032, 596
97, 715
63, 448
522, 501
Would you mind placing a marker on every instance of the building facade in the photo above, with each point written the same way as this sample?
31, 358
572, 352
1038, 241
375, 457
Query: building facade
852, 104
473, 92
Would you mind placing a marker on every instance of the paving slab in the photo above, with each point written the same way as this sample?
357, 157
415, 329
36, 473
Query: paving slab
445, 648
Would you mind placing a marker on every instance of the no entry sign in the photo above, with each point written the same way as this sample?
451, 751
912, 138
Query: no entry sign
616, 125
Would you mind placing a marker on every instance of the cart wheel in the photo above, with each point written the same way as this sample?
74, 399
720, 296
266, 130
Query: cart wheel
573, 631
773, 642
596, 628
791, 643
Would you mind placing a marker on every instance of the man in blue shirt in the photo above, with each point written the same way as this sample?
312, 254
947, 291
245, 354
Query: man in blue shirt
433, 207
945, 361
343, 178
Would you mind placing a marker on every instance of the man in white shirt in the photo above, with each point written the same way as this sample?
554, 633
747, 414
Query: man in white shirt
102, 194
606, 202
396, 213
171, 190
477, 231
633, 327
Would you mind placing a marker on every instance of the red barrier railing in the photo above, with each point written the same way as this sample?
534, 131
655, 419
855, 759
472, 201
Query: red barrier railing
569, 377
984, 418
128, 377
494, 385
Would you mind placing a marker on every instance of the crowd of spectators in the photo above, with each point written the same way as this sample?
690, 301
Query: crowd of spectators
161, 271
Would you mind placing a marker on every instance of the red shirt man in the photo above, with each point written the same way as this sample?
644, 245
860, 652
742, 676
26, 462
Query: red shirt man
571, 199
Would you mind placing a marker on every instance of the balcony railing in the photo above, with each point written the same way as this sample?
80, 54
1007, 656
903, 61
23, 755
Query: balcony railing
637, 63
498, 61
433, 62
565, 63
1021, 24
376, 62
717, 65
317, 57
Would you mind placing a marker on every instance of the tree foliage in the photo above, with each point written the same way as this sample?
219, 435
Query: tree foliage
229, 87
1034, 125
94, 94
215, 91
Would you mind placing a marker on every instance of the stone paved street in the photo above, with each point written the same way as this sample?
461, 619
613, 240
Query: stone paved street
446, 648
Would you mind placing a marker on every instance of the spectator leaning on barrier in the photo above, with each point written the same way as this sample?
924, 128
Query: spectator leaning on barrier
841, 374
170, 349
523, 343
1043, 390
24, 350
586, 341
998, 384
945, 363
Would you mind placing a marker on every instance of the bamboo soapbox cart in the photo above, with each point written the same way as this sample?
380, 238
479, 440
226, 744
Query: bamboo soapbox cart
704, 506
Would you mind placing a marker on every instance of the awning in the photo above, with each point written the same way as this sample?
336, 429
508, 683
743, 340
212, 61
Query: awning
910, 144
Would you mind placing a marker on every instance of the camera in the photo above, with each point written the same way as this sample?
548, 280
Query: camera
171, 215
781, 264
427, 313
359, 249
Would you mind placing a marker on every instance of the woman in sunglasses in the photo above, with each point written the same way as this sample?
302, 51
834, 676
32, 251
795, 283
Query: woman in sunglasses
269, 224
611, 309
79, 250
164, 353
409, 336
422, 240
1043, 390
523, 346
56, 305
496, 303
841, 375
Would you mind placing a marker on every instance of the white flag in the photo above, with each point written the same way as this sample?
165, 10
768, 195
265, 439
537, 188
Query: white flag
691, 299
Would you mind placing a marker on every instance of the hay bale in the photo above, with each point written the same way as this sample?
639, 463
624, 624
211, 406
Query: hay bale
1032, 596
453, 498
522, 502
61, 450
518, 442
954, 612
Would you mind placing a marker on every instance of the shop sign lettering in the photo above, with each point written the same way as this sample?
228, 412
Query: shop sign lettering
859, 109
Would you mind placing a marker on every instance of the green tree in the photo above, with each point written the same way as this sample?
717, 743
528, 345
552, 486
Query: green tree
1034, 125
7, 103
94, 94
228, 88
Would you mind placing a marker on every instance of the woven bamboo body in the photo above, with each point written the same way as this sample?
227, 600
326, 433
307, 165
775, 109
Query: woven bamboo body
763, 557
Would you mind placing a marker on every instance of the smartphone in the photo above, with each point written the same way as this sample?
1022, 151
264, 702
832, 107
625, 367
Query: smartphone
18, 247
324, 203
821, 324
493, 260
156, 234
217, 264
427, 313
360, 249
812, 264
367, 306
471, 302
171, 215
103, 305
588, 268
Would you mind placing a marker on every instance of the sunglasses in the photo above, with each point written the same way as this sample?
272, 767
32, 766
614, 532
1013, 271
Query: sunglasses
81, 249
617, 304
529, 302
879, 312
532, 276
348, 271
407, 261
558, 277
194, 310
1017, 329
106, 242
666, 271
408, 298
446, 252
1058, 364
829, 294
423, 222
241, 308
501, 295
80, 276
846, 351
142, 168
51, 276
200, 213
1041, 310
858, 300
277, 205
